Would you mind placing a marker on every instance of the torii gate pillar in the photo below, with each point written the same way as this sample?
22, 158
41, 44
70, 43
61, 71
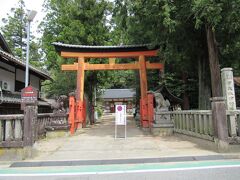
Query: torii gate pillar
80, 119
144, 100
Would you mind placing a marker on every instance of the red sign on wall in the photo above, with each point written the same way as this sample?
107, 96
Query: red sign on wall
29, 95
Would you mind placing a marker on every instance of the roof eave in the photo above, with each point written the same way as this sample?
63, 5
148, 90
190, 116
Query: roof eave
4, 44
32, 69
61, 47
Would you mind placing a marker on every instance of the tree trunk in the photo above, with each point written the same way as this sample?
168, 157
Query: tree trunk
204, 89
137, 84
186, 104
213, 62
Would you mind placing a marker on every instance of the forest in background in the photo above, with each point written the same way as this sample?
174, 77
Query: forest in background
196, 38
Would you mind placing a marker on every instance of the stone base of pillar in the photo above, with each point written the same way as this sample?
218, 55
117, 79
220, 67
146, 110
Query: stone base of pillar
219, 118
146, 129
222, 146
162, 131
162, 126
17, 154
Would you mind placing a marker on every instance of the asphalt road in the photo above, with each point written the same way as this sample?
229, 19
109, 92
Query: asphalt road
219, 170
222, 173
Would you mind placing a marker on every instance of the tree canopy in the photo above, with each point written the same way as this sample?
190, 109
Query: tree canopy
196, 39
14, 31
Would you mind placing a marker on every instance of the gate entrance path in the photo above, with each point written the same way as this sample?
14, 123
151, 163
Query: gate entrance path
97, 142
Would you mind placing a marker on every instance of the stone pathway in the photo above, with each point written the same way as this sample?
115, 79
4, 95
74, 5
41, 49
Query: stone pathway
97, 142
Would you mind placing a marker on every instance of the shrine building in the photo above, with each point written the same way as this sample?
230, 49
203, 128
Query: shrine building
113, 97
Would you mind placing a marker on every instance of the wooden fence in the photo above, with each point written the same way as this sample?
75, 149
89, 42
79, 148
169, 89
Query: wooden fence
12, 128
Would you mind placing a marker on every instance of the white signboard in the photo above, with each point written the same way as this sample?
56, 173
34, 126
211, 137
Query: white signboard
120, 118
120, 115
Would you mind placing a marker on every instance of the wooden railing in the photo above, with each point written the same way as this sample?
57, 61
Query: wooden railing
198, 123
12, 128
43, 120
57, 122
233, 121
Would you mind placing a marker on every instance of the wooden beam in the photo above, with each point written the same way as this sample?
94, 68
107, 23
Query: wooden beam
69, 67
154, 65
111, 66
135, 66
108, 54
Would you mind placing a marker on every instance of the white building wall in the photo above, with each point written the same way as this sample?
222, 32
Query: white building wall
20, 76
8, 77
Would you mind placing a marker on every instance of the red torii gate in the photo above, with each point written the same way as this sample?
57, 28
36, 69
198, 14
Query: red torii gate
82, 52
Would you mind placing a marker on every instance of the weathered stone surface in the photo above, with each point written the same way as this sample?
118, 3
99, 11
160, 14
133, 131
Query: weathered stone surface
162, 125
230, 98
56, 134
163, 119
10, 154
18, 129
219, 118
162, 131
8, 130
222, 146
228, 88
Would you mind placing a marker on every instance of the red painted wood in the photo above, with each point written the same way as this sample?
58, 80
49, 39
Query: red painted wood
97, 67
108, 54
71, 118
150, 108
144, 112
84, 114
79, 112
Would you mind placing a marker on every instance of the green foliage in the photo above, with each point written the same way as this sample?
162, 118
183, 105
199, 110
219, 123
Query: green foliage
222, 16
14, 29
164, 23
73, 22
207, 12
14, 32
179, 28
63, 83
99, 110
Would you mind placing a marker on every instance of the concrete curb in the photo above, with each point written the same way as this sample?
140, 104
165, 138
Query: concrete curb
124, 161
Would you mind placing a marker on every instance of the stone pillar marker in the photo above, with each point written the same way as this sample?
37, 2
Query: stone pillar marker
229, 94
219, 118
29, 105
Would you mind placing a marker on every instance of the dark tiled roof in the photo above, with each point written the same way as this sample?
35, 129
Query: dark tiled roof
85, 48
118, 93
3, 44
15, 98
17, 61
